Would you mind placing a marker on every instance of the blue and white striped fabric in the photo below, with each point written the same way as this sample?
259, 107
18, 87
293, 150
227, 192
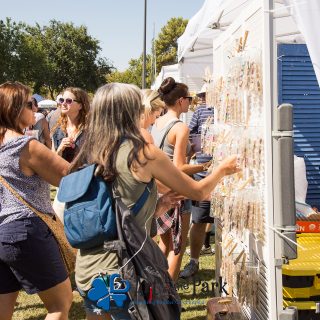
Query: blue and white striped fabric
199, 118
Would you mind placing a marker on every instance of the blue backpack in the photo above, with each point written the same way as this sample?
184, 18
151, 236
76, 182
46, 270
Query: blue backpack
89, 217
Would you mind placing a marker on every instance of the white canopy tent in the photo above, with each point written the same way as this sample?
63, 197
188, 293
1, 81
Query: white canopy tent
306, 16
197, 38
171, 71
191, 73
47, 104
295, 21
166, 71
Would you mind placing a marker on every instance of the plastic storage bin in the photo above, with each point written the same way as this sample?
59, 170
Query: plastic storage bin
301, 277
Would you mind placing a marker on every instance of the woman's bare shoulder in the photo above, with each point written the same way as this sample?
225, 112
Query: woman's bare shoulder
35, 149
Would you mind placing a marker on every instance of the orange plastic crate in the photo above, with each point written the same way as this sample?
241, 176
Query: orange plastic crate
306, 226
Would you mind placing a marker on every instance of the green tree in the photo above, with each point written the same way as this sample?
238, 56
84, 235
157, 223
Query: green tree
52, 57
166, 53
14, 52
166, 44
69, 57
133, 74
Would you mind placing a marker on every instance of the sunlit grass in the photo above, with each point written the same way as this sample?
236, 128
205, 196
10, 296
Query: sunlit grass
194, 295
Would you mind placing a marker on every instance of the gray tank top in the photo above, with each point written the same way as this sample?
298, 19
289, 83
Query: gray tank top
33, 189
158, 135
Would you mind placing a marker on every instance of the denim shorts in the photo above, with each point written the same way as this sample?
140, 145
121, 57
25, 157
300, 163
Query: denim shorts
186, 206
115, 312
200, 212
29, 257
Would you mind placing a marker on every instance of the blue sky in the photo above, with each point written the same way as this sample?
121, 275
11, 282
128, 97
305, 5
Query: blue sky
117, 24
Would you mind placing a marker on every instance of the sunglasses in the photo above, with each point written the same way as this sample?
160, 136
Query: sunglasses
68, 100
29, 105
190, 98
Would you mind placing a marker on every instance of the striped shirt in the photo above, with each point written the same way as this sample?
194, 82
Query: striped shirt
199, 118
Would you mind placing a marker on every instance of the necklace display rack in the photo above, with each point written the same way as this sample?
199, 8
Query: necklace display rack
238, 201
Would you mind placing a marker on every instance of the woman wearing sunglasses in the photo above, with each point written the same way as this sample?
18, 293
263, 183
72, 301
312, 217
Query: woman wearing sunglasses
41, 126
153, 107
68, 134
172, 136
29, 254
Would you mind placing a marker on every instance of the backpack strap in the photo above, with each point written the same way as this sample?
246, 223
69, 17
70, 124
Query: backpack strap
167, 131
143, 198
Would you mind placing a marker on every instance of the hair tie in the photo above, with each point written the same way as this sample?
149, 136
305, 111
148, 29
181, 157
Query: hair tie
156, 97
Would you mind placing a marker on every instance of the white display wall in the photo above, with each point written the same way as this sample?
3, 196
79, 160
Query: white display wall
241, 96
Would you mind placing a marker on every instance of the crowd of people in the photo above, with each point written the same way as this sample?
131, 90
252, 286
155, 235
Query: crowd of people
134, 136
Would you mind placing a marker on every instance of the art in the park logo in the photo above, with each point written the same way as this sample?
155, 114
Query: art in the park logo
107, 288
196, 286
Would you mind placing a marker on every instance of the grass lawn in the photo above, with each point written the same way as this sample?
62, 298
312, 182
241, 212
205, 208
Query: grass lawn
194, 295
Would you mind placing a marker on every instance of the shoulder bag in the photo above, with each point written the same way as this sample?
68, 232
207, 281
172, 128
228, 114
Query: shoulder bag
56, 227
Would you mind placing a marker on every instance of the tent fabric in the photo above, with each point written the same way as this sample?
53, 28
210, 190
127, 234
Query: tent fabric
192, 71
166, 71
196, 43
47, 104
206, 25
195, 53
198, 31
306, 15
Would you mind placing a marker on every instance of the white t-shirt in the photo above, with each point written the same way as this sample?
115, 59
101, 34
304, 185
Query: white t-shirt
300, 179
39, 116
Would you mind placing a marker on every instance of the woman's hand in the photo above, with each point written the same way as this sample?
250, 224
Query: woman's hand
230, 165
206, 165
65, 143
166, 202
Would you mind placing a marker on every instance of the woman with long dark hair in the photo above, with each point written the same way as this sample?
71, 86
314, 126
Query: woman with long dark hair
124, 157
172, 136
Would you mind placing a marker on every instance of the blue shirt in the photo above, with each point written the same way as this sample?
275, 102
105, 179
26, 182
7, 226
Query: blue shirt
68, 153
199, 118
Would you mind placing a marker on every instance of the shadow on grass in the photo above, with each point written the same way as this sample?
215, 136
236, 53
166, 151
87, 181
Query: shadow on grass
201, 279
198, 307
76, 312
198, 287
196, 318
26, 307
203, 275
194, 311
